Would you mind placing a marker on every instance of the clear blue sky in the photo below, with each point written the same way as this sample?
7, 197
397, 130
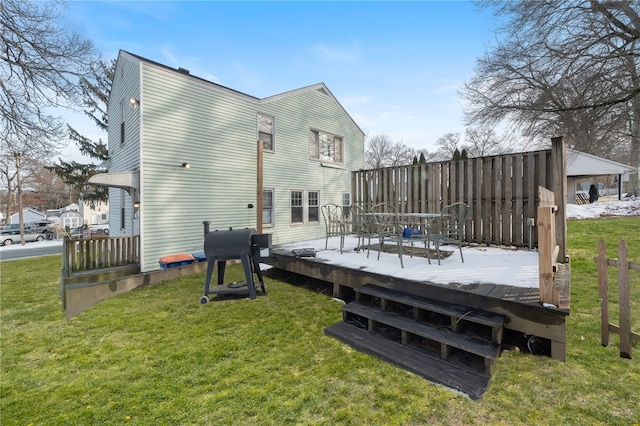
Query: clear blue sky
395, 66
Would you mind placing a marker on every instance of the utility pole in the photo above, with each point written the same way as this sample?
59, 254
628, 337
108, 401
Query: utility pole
17, 156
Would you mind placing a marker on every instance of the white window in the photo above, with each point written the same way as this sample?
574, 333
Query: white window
267, 207
265, 131
122, 210
122, 122
297, 207
305, 206
314, 206
346, 204
325, 146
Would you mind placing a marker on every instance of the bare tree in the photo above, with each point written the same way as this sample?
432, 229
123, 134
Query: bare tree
44, 189
378, 151
448, 145
41, 64
564, 68
381, 151
483, 141
401, 155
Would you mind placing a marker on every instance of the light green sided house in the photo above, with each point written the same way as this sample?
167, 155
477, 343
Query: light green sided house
184, 150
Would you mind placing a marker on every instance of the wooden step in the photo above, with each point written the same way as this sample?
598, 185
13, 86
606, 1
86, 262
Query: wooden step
470, 344
428, 366
478, 316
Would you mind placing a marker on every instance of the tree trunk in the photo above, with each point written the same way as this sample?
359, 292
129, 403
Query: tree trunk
634, 188
19, 193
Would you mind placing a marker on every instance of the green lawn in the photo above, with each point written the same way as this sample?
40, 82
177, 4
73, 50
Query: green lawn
155, 356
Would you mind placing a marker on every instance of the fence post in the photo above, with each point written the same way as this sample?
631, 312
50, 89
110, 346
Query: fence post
546, 255
624, 300
603, 292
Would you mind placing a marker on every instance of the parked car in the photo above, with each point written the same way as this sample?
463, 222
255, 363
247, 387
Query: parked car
39, 227
99, 229
12, 236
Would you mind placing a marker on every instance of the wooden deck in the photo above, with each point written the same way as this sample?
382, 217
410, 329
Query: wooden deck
463, 284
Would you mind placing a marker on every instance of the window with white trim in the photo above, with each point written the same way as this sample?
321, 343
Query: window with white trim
265, 131
346, 204
121, 122
325, 146
305, 206
267, 207
122, 210
314, 206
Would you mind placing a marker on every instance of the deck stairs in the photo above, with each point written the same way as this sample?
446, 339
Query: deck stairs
452, 345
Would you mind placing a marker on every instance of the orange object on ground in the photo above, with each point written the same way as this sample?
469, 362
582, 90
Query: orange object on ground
175, 260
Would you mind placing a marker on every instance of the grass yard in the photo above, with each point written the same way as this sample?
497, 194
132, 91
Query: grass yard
155, 356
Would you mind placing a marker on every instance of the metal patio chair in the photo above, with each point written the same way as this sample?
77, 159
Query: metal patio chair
363, 226
450, 227
388, 228
334, 222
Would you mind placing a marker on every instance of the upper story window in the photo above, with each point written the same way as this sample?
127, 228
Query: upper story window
325, 146
265, 131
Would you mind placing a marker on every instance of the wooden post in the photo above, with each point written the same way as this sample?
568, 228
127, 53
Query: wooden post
624, 300
546, 250
603, 292
559, 182
259, 188
547, 253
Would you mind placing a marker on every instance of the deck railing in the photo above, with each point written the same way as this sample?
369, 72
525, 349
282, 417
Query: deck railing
98, 253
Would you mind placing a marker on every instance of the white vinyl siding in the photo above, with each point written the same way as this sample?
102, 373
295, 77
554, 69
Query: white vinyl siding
291, 167
182, 119
124, 148
212, 129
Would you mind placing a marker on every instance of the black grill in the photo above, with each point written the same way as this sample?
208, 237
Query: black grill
234, 244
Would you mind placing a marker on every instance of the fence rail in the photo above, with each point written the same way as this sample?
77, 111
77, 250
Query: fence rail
624, 296
98, 253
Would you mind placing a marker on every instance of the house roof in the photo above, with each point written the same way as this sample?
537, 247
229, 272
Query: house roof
184, 72
581, 164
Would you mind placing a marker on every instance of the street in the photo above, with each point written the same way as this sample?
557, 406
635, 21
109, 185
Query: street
38, 248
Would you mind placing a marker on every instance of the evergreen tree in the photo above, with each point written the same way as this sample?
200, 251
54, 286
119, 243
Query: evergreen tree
456, 155
96, 96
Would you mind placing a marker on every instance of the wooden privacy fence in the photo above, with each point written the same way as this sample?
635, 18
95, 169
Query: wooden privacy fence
98, 253
501, 190
624, 296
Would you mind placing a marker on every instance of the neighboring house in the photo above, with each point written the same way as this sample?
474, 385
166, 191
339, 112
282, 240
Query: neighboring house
184, 150
28, 215
95, 213
581, 166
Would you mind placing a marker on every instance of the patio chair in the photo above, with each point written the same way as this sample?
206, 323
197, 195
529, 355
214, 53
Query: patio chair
418, 230
363, 226
450, 227
334, 223
388, 228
